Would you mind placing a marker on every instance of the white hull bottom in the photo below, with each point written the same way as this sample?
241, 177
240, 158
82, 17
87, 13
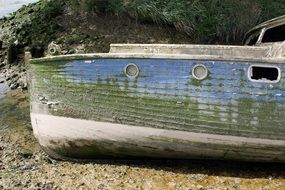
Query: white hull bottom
65, 137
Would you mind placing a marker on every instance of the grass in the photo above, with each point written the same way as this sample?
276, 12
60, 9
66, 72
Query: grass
207, 21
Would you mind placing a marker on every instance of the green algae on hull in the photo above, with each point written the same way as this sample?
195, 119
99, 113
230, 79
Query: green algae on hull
107, 99
163, 97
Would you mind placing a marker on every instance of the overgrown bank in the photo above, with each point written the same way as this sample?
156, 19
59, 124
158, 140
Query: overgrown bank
223, 21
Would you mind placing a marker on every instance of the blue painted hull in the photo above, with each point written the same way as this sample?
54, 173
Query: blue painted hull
227, 95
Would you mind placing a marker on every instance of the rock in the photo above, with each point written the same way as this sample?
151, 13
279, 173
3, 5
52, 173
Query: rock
14, 75
50, 104
42, 98
30, 167
64, 52
71, 51
4, 71
25, 154
101, 186
54, 49
172, 185
24, 86
13, 86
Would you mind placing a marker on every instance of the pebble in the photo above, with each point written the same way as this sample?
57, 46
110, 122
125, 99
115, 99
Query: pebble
13, 86
42, 98
14, 75
100, 186
200, 187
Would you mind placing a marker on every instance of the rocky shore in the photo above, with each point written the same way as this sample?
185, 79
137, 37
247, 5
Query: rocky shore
13, 76
12, 70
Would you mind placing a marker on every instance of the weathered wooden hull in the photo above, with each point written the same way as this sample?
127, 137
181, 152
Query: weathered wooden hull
86, 107
76, 138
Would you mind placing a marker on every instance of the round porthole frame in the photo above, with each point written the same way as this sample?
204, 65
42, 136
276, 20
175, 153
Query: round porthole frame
127, 73
204, 76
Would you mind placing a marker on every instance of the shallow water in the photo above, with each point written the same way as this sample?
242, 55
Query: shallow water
10, 6
3, 89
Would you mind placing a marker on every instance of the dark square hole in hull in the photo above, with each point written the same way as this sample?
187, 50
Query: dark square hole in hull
264, 74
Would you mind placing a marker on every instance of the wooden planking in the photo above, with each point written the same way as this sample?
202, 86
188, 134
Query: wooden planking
164, 95
68, 137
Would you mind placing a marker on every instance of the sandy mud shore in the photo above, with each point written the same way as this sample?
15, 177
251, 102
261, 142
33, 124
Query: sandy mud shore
24, 165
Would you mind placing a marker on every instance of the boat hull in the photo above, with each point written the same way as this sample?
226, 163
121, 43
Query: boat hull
86, 107
82, 139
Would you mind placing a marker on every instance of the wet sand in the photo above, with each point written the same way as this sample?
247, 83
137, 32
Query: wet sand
24, 165
3, 89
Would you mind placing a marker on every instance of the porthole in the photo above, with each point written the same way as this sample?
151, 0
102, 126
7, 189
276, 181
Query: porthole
200, 72
132, 70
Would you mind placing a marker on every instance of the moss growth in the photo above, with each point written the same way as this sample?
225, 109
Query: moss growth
14, 108
15, 125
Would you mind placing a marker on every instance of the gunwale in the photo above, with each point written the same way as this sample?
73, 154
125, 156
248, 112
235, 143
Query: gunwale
261, 60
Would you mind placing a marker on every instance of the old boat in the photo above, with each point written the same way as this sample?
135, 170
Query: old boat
170, 101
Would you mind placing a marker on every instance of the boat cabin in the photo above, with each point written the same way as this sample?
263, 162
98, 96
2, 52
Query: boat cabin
272, 31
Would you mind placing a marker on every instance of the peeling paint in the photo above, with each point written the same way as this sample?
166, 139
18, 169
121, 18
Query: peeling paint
164, 96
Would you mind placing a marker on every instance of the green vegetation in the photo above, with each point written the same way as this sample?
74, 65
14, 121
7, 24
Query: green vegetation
205, 21
208, 21
44, 23
32, 25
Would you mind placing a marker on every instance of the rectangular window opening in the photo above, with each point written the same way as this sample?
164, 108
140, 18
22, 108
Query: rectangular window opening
265, 74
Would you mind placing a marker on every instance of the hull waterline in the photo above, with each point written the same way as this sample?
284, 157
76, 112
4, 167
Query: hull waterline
83, 139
